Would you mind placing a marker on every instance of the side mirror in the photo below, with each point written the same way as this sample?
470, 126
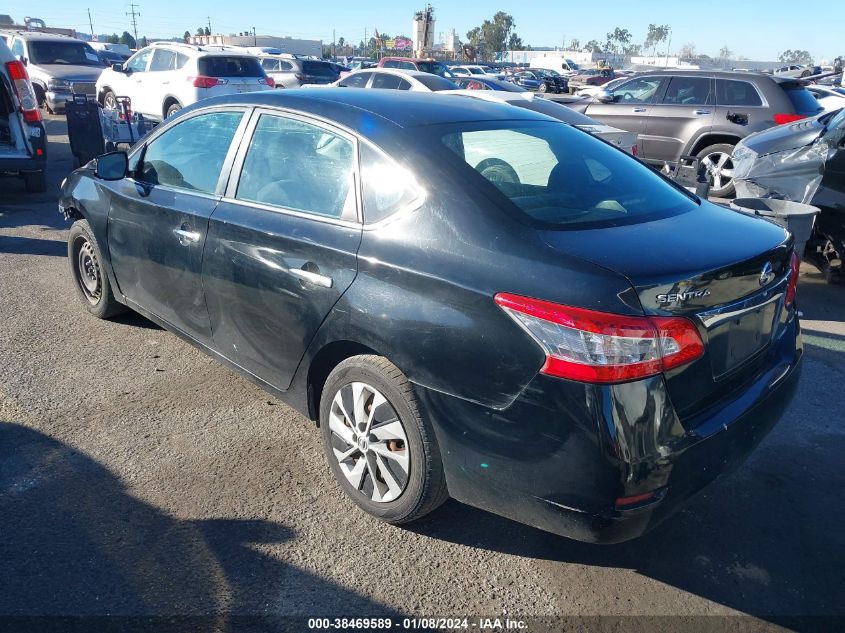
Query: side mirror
118, 68
604, 96
23, 60
112, 166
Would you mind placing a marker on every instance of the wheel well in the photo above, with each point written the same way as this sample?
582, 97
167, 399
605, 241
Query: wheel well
167, 103
712, 139
73, 212
40, 94
322, 365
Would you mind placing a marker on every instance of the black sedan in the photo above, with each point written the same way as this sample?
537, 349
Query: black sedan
472, 300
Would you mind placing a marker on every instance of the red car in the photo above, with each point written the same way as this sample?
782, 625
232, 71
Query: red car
591, 77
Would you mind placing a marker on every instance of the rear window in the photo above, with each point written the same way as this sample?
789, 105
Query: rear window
803, 100
220, 66
435, 83
435, 68
319, 69
736, 93
560, 177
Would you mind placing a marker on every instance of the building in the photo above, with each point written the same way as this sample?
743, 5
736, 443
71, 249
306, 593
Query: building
528, 57
283, 44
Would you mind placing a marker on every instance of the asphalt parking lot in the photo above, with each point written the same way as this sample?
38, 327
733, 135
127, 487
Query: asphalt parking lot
140, 477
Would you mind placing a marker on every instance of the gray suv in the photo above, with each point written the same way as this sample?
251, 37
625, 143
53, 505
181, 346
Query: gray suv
59, 66
700, 113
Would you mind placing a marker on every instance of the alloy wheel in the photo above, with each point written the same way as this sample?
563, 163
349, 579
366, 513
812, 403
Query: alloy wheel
88, 272
110, 102
719, 168
369, 442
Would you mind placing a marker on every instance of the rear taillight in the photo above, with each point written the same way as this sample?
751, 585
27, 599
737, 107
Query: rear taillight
203, 81
591, 346
792, 286
781, 119
24, 91
633, 150
269, 81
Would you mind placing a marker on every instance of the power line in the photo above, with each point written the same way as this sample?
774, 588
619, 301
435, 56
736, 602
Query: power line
134, 13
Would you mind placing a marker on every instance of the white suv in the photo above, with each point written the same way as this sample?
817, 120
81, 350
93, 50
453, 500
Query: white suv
165, 77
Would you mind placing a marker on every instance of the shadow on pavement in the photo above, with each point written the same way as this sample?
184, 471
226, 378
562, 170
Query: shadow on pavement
74, 543
32, 246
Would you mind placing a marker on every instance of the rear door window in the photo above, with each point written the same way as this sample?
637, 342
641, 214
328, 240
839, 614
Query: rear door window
190, 155
730, 92
319, 69
386, 81
225, 66
301, 166
387, 188
270, 64
688, 91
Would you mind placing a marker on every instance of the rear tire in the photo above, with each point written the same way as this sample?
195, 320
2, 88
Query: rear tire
35, 182
90, 279
719, 169
172, 109
385, 457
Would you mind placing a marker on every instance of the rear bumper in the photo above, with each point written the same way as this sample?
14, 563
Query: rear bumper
563, 452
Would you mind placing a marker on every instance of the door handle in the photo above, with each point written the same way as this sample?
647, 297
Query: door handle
701, 111
186, 237
639, 109
312, 278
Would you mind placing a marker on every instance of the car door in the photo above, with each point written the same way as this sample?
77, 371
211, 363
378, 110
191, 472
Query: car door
630, 107
684, 111
133, 82
158, 79
158, 217
282, 245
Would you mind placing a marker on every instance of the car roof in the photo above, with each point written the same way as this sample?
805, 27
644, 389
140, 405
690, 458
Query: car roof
404, 72
40, 35
401, 108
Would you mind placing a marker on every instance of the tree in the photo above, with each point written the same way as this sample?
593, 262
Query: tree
687, 51
113, 39
795, 57
656, 35
201, 31
593, 46
632, 50
617, 40
341, 42
725, 52
207, 31
515, 43
575, 44
187, 36
492, 36
127, 39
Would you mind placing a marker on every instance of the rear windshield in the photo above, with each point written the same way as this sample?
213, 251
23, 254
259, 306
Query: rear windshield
435, 83
219, 66
319, 69
803, 100
63, 53
560, 177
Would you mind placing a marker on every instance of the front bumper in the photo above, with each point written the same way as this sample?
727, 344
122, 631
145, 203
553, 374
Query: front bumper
561, 455
56, 100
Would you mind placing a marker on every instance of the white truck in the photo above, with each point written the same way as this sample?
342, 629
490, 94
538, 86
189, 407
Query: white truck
563, 65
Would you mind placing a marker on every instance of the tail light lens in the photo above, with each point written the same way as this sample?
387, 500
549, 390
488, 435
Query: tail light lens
781, 119
600, 347
203, 81
269, 81
792, 287
634, 150
23, 90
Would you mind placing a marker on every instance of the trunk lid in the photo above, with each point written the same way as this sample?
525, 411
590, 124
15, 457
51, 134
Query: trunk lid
705, 265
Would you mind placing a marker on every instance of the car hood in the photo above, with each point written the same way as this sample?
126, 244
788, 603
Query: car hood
70, 72
784, 137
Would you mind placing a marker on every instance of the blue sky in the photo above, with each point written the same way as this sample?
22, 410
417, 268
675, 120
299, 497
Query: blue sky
757, 30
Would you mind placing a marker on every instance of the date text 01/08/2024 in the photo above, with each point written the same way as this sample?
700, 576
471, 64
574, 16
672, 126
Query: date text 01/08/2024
445, 624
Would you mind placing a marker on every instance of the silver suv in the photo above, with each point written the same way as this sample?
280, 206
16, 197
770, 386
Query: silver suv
289, 71
700, 113
59, 66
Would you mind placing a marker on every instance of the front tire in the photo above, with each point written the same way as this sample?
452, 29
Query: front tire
109, 100
172, 109
90, 279
719, 169
381, 450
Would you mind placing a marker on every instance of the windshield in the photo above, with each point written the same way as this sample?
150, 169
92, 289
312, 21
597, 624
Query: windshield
64, 53
435, 68
435, 83
220, 66
476, 71
836, 122
560, 177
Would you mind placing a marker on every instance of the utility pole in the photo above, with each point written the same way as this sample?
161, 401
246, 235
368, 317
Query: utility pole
254, 37
366, 43
209, 24
334, 45
134, 15
91, 24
